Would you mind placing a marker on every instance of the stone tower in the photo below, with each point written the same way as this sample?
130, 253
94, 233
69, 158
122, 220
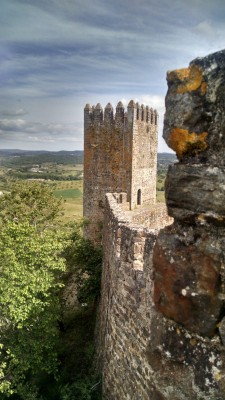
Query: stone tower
120, 155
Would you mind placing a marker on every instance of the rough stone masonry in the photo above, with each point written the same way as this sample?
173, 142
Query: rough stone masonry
189, 255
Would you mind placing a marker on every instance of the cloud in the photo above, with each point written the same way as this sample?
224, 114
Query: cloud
21, 125
19, 112
22, 131
205, 28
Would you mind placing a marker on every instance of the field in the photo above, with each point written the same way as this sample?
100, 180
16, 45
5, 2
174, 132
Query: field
63, 173
71, 194
57, 170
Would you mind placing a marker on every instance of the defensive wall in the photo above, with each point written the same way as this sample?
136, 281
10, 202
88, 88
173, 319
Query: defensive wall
162, 325
143, 355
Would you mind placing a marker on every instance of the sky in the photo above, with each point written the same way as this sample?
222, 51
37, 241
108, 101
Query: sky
58, 55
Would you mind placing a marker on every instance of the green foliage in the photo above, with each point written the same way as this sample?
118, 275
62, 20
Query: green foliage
34, 251
77, 351
32, 202
31, 267
82, 389
84, 259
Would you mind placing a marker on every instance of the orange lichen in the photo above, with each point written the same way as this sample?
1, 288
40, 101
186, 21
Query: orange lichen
190, 79
203, 87
183, 142
180, 74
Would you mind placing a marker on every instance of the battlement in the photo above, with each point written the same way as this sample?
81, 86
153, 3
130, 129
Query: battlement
135, 112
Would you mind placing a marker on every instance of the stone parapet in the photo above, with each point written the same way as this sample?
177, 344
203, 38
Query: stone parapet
142, 354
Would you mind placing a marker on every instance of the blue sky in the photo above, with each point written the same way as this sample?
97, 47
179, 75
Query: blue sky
58, 55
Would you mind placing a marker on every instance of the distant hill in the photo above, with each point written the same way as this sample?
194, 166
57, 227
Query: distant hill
29, 157
15, 152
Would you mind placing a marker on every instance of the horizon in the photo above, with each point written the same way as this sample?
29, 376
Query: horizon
70, 151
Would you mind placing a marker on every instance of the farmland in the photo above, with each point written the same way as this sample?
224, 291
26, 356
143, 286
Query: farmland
63, 173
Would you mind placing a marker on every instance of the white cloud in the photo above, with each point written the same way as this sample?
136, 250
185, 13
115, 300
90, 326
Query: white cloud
19, 112
205, 28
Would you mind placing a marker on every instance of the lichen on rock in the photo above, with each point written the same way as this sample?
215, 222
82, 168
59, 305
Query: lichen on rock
194, 122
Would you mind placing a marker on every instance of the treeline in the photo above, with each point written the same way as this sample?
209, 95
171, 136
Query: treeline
43, 175
64, 158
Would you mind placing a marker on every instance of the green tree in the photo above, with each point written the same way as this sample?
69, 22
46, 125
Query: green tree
84, 259
31, 267
30, 201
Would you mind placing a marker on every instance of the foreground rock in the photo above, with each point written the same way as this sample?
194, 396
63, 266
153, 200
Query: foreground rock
189, 256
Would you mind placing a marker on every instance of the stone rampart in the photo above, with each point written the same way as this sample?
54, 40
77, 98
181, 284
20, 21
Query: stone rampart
143, 355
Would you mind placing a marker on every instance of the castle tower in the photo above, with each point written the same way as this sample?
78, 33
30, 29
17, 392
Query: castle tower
120, 155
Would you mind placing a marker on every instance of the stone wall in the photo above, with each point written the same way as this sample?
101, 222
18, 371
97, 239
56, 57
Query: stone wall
143, 355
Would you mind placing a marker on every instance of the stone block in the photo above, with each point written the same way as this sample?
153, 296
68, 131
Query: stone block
196, 193
187, 283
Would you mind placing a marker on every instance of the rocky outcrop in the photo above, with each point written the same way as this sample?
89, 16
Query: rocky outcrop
194, 125
189, 255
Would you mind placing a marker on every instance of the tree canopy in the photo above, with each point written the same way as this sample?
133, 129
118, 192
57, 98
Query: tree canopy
30, 279
30, 201
35, 252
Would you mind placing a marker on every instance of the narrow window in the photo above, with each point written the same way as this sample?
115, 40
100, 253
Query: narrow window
139, 197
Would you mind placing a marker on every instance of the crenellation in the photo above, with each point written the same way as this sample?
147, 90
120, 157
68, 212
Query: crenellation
119, 116
134, 112
131, 111
98, 114
151, 116
155, 118
88, 116
143, 113
147, 114
108, 114
88, 107
139, 111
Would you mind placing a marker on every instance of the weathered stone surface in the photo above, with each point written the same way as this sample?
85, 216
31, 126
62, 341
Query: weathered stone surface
146, 356
120, 155
194, 124
189, 257
222, 330
196, 193
187, 280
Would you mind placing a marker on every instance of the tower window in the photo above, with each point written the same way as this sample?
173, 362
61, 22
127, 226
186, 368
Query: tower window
139, 197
